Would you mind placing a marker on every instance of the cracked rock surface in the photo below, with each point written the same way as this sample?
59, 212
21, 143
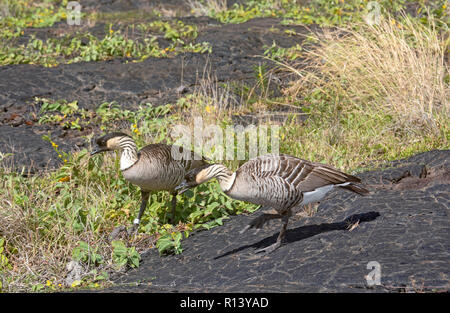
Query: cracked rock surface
236, 51
403, 225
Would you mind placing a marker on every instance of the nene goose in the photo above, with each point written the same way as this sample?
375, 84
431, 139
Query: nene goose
279, 182
155, 167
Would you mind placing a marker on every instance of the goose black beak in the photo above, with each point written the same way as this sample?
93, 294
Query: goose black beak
181, 188
98, 150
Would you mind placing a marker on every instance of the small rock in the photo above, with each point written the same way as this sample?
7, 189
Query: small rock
75, 272
182, 89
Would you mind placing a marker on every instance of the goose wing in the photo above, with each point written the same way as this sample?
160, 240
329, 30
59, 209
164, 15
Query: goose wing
299, 174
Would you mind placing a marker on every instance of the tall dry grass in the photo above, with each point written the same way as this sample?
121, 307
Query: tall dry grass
204, 8
397, 66
372, 93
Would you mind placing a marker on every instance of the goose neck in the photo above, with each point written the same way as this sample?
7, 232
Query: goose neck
224, 176
129, 155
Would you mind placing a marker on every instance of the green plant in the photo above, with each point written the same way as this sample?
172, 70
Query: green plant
116, 43
170, 243
86, 254
122, 255
4, 261
280, 54
320, 12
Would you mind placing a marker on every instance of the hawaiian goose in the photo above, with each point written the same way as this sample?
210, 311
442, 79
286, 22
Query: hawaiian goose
280, 182
155, 167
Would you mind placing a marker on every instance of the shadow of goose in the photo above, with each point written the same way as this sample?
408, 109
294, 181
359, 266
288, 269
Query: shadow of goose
303, 232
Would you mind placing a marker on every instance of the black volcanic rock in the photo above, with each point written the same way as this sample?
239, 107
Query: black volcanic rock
403, 225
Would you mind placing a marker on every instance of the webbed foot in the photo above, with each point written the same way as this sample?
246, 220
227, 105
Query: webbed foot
269, 249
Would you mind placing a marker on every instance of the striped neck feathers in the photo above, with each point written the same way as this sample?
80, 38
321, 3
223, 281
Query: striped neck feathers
129, 154
224, 176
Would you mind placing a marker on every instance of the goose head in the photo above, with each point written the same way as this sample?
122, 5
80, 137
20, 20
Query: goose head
109, 142
195, 177
204, 173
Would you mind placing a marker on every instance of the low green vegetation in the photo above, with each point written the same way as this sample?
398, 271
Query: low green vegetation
19, 45
320, 12
68, 214
116, 43
16, 16
369, 94
68, 115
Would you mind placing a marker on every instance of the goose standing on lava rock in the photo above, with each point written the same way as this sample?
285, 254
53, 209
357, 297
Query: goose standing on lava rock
153, 168
278, 181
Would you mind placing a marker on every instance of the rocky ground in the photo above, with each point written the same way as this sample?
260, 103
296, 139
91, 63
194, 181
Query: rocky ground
236, 50
403, 225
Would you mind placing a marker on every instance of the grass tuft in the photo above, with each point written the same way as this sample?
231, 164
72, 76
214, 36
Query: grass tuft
376, 92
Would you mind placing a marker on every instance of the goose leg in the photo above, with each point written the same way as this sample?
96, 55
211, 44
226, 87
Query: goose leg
174, 206
280, 238
259, 222
133, 229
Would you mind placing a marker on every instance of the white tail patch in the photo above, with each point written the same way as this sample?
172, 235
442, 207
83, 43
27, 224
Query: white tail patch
319, 193
316, 195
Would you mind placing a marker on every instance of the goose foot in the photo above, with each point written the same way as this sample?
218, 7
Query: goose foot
281, 235
133, 230
269, 249
122, 229
116, 231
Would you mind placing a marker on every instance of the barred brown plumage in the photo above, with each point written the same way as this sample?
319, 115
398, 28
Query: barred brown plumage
281, 182
153, 168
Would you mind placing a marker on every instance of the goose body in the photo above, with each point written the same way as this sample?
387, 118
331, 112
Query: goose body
281, 182
155, 167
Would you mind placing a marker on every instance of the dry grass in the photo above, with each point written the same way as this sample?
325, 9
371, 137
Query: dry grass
39, 240
372, 93
397, 66
210, 100
43, 217
204, 8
